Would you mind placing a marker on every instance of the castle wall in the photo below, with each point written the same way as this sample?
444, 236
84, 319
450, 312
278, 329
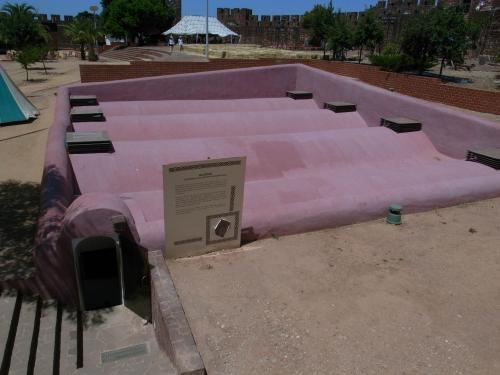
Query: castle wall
284, 31
288, 31
55, 25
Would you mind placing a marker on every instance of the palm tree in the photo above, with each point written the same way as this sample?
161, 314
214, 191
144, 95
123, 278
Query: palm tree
83, 32
19, 27
19, 10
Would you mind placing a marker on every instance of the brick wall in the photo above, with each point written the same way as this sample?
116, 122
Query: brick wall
420, 87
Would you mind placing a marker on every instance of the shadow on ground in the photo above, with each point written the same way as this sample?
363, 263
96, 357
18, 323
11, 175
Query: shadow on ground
20, 207
19, 213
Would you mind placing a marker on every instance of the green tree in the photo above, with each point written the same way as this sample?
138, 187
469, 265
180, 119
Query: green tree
27, 57
105, 3
453, 35
319, 21
137, 19
340, 37
19, 28
42, 52
83, 31
368, 34
442, 33
419, 42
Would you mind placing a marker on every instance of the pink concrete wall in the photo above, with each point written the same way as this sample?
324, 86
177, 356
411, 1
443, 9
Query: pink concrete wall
54, 265
451, 131
231, 84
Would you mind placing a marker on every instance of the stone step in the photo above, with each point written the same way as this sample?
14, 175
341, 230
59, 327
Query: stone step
43, 338
117, 341
28, 321
69, 341
10, 310
44, 362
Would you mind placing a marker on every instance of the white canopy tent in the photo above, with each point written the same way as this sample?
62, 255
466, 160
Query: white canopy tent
197, 25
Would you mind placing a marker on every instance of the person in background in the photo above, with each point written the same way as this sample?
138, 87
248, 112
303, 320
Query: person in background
171, 43
180, 42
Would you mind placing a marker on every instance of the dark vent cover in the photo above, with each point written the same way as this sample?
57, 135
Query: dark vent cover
87, 114
83, 100
401, 124
340, 107
299, 95
88, 143
487, 156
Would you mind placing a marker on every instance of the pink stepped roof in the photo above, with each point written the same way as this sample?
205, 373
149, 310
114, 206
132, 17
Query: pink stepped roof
307, 167
223, 124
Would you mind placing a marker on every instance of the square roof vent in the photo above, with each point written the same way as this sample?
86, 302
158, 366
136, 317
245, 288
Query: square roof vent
299, 95
340, 107
89, 143
87, 114
401, 124
83, 100
486, 156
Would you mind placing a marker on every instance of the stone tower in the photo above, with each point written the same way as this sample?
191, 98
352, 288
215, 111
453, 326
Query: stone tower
177, 6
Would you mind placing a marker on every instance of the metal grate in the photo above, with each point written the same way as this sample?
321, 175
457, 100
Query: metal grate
340, 107
88, 143
489, 157
83, 100
86, 114
124, 353
297, 95
401, 124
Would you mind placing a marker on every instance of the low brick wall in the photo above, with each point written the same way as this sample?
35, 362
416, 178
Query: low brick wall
171, 326
420, 87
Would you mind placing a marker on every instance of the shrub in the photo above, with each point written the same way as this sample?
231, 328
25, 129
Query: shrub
391, 49
393, 63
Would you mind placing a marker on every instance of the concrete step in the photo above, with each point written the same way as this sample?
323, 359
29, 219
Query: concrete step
117, 341
28, 321
44, 362
70, 325
10, 311
133, 54
43, 338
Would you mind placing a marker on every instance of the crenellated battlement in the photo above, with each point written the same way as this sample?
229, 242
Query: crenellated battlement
245, 17
54, 18
287, 30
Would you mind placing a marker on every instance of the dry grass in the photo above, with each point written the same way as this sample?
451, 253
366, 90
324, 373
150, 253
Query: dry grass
250, 51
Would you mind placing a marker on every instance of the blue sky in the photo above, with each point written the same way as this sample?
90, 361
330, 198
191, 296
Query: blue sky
197, 7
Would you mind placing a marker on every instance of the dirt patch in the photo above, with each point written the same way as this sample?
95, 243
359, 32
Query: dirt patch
421, 298
22, 146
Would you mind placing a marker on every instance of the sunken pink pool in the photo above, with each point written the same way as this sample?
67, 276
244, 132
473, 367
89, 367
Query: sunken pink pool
308, 168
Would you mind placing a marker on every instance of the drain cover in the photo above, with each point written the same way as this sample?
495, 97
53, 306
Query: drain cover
124, 353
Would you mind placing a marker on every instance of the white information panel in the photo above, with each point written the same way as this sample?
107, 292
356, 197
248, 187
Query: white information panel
203, 205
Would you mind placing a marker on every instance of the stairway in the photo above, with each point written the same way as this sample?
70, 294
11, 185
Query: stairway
133, 54
42, 338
